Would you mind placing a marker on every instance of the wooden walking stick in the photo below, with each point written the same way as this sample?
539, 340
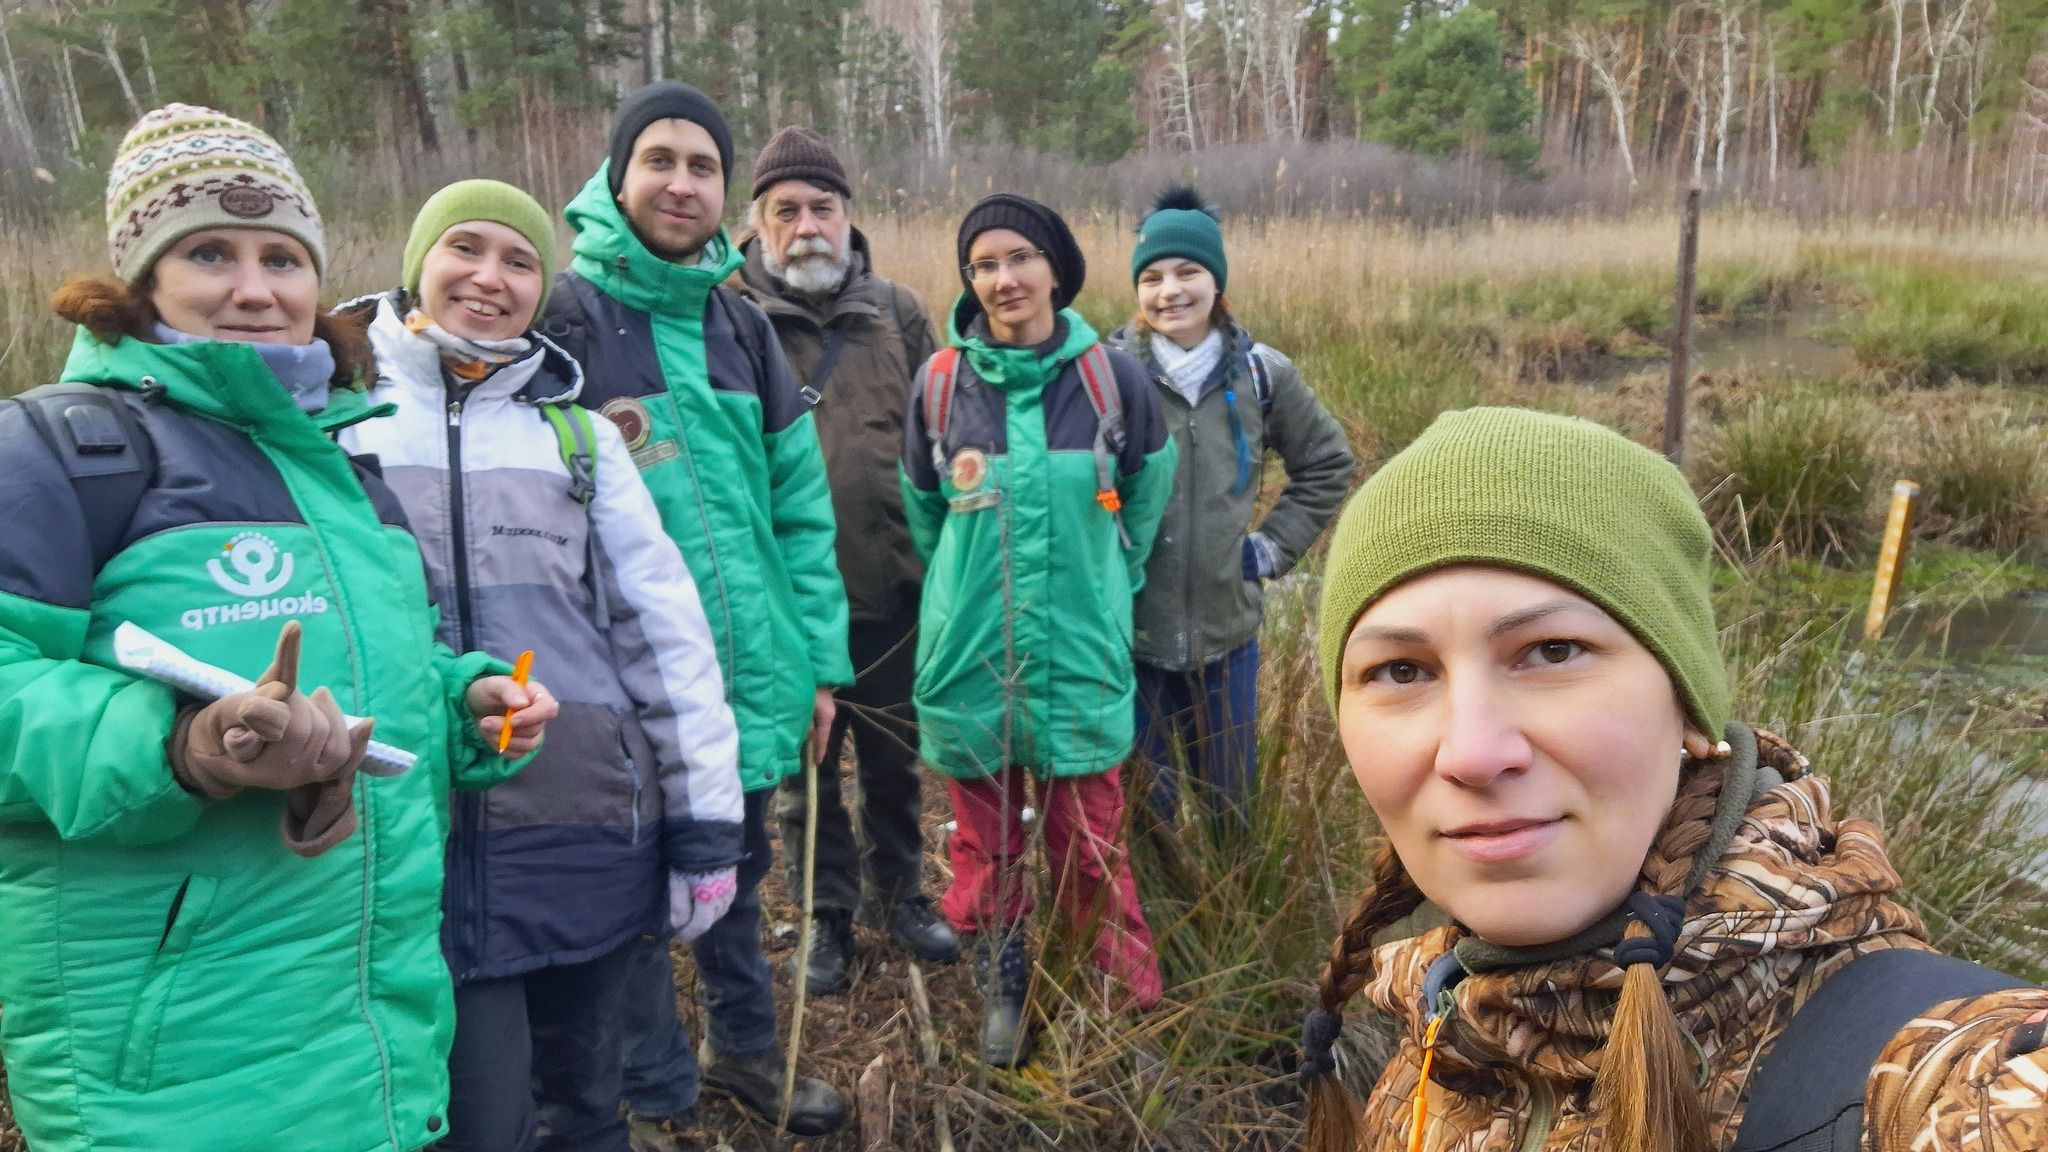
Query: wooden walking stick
803, 940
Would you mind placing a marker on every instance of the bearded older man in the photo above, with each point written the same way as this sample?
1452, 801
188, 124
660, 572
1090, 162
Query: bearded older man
854, 340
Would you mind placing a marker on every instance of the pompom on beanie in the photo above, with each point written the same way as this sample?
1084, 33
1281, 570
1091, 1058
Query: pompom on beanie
1181, 225
183, 169
1557, 497
493, 200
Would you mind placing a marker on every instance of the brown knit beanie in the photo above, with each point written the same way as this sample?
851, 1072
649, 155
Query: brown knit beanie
799, 154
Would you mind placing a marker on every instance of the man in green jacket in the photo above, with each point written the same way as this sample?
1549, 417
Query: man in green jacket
691, 374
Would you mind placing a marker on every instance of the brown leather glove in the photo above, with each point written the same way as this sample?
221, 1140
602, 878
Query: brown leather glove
270, 737
319, 816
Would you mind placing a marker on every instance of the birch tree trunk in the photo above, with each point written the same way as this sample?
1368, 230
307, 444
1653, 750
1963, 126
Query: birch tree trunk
22, 152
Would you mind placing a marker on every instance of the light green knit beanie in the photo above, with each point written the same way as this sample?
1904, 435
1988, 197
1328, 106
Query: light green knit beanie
1557, 497
492, 200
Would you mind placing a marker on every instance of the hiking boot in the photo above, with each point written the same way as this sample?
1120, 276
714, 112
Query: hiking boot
756, 1082
1002, 970
831, 952
675, 1133
913, 923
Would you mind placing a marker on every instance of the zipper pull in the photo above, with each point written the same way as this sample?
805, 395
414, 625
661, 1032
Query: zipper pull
1418, 1118
455, 413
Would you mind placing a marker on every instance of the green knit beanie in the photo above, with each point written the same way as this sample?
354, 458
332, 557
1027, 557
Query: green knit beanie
1181, 226
492, 200
1560, 498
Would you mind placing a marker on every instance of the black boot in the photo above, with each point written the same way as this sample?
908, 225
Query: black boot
831, 952
1002, 970
756, 1082
923, 931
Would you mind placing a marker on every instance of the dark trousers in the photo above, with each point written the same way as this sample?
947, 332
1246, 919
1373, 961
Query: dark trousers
536, 1060
661, 1073
1201, 727
886, 853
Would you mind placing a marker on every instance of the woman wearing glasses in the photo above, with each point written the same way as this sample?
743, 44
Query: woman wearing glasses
1036, 465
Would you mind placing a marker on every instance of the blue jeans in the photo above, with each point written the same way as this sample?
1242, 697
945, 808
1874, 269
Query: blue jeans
661, 1074
1202, 725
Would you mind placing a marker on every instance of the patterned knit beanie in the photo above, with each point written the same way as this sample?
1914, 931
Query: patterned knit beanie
493, 200
1557, 497
183, 169
1181, 225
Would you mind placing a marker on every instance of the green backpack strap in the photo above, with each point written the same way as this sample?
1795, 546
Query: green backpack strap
576, 440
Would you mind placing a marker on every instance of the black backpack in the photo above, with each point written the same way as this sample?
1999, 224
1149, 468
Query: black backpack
1809, 1092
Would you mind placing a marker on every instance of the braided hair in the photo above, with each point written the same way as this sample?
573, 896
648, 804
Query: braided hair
1644, 1092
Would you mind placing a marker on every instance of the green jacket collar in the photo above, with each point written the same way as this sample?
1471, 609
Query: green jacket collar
221, 380
1008, 368
610, 255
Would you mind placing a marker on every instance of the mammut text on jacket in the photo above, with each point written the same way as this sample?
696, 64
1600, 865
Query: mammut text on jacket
174, 977
727, 447
639, 774
1024, 638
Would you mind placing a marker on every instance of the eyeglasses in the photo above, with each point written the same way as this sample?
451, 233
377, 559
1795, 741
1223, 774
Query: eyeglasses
1015, 262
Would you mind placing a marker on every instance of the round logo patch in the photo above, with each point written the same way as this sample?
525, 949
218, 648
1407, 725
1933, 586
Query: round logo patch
247, 203
631, 418
970, 468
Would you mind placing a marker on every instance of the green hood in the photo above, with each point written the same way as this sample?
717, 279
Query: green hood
222, 380
611, 255
1008, 368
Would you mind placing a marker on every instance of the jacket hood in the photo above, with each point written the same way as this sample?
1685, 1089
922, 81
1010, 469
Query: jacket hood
546, 375
1792, 882
222, 380
611, 255
1009, 368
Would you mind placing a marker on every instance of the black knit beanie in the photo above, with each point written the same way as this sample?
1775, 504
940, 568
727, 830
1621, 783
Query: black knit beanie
1036, 223
665, 100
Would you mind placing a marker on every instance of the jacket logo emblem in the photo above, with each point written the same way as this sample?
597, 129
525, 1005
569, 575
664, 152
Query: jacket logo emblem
631, 418
970, 469
246, 203
261, 569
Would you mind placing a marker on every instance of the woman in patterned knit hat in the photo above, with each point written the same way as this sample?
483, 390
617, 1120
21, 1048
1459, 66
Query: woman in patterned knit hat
1662, 937
215, 931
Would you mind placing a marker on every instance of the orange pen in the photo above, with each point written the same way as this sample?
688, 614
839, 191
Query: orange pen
521, 668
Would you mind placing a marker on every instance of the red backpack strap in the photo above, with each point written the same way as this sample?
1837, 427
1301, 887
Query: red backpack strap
1098, 379
941, 375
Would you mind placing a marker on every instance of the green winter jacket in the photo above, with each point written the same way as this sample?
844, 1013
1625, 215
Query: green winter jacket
727, 446
1198, 605
174, 977
1024, 633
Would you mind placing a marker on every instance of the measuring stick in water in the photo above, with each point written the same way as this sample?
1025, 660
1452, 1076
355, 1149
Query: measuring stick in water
144, 652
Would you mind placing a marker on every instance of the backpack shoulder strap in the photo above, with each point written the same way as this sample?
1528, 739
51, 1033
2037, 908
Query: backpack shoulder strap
576, 440
1098, 379
1809, 1092
105, 453
1262, 379
739, 313
577, 443
941, 377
